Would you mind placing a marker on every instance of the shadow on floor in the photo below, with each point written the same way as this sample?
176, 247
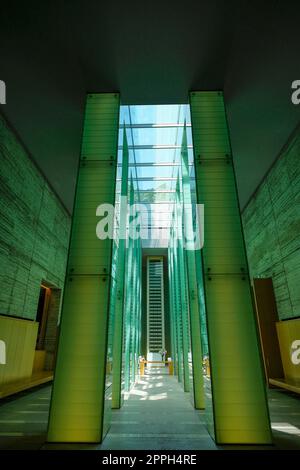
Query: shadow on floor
157, 415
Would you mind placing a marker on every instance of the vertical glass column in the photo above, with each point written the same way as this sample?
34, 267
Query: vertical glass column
129, 301
238, 389
174, 353
177, 302
189, 249
182, 291
120, 279
138, 325
133, 292
174, 305
134, 306
80, 389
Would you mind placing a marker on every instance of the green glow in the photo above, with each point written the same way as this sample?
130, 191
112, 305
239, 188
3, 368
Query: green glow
132, 324
79, 394
182, 291
101, 316
196, 349
118, 294
238, 389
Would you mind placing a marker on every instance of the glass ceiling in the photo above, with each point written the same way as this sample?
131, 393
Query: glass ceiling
154, 135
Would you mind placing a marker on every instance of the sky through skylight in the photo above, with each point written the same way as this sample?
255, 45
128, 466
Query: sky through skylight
154, 135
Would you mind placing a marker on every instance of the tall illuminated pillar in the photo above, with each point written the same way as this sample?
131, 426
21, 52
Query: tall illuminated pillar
177, 301
80, 392
238, 389
120, 280
189, 247
174, 303
182, 291
129, 304
174, 351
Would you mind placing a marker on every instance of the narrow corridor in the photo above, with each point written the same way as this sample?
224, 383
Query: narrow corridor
157, 414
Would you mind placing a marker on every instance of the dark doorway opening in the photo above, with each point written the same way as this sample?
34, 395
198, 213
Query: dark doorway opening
42, 315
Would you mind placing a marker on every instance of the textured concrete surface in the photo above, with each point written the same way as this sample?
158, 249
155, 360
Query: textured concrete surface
157, 414
34, 230
272, 229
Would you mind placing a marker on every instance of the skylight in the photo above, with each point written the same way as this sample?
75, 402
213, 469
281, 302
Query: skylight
154, 135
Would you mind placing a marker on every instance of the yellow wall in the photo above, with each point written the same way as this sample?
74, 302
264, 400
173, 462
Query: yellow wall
289, 342
20, 340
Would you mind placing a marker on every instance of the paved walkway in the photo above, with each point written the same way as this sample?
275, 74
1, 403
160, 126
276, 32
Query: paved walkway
24, 418
156, 414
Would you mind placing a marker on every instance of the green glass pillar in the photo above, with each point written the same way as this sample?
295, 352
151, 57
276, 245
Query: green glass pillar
120, 278
174, 310
79, 392
138, 305
177, 304
172, 307
171, 303
182, 292
134, 313
136, 289
190, 246
201, 298
139, 289
129, 301
238, 388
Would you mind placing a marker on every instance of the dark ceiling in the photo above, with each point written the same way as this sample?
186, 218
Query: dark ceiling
53, 52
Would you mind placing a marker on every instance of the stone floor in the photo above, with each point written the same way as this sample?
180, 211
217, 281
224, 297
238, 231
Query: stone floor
156, 414
23, 419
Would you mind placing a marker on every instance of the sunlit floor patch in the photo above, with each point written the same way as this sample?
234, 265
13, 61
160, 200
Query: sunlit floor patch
164, 418
147, 420
287, 428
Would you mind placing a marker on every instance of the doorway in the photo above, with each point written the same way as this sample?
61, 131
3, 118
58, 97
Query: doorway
42, 315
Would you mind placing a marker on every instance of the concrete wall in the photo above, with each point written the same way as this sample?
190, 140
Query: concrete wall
272, 229
34, 230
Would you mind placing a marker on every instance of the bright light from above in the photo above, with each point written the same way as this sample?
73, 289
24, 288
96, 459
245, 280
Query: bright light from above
154, 135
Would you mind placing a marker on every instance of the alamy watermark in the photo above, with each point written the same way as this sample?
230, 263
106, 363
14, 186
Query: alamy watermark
187, 226
295, 97
2, 92
295, 352
2, 352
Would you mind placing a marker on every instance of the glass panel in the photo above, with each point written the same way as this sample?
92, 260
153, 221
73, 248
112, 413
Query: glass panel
155, 155
155, 185
155, 171
160, 114
156, 197
157, 136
